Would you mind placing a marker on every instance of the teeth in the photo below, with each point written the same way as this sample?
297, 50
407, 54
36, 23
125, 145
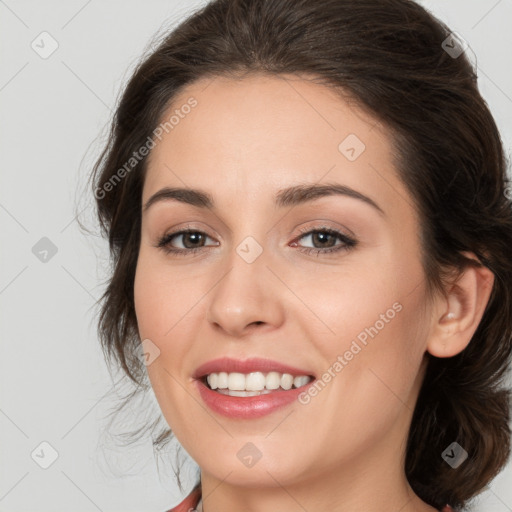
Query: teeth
222, 380
236, 382
254, 383
300, 381
213, 380
243, 393
273, 380
286, 381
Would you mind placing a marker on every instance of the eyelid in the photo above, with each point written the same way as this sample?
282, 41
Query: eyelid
325, 224
326, 227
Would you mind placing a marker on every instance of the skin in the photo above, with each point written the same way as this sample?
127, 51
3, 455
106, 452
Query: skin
344, 450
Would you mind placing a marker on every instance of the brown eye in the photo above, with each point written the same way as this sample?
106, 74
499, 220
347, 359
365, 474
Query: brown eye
183, 242
324, 240
191, 239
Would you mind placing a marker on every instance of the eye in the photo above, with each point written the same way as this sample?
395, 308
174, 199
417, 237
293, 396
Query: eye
191, 241
325, 240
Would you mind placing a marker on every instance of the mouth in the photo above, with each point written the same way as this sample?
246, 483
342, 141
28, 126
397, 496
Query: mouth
249, 388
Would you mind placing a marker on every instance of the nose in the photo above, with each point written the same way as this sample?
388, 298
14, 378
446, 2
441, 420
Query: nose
247, 296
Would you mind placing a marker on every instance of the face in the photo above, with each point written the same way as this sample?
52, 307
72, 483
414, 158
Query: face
325, 283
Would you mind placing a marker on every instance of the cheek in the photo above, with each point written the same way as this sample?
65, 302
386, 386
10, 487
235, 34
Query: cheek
341, 304
370, 377
161, 299
368, 326
167, 311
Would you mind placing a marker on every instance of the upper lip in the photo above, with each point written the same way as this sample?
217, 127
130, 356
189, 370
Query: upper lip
254, 364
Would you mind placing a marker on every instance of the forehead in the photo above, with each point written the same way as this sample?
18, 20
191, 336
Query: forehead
262, 133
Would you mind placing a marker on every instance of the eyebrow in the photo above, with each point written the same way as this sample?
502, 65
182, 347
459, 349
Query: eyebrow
291, 196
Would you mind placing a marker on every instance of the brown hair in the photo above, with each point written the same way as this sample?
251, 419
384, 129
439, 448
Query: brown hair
388, 56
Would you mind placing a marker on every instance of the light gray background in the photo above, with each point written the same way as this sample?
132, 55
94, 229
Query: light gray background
54, 384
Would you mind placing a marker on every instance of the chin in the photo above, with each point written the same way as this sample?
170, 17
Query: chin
267, 471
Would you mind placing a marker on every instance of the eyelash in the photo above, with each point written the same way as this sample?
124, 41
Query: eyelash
347, 244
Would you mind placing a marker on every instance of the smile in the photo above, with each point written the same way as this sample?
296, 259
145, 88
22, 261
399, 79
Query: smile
249, 388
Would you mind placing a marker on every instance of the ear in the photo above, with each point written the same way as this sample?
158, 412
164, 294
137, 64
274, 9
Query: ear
457, 314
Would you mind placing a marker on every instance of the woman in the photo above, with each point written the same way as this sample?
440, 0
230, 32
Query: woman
307, 212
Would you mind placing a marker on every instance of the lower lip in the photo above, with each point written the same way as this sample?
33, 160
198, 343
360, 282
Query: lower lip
247, 406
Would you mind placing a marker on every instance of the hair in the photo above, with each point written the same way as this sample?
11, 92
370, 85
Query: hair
386, 55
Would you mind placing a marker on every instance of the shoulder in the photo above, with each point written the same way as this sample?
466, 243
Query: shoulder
190, 502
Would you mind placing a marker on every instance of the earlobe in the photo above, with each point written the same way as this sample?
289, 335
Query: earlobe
459, 311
